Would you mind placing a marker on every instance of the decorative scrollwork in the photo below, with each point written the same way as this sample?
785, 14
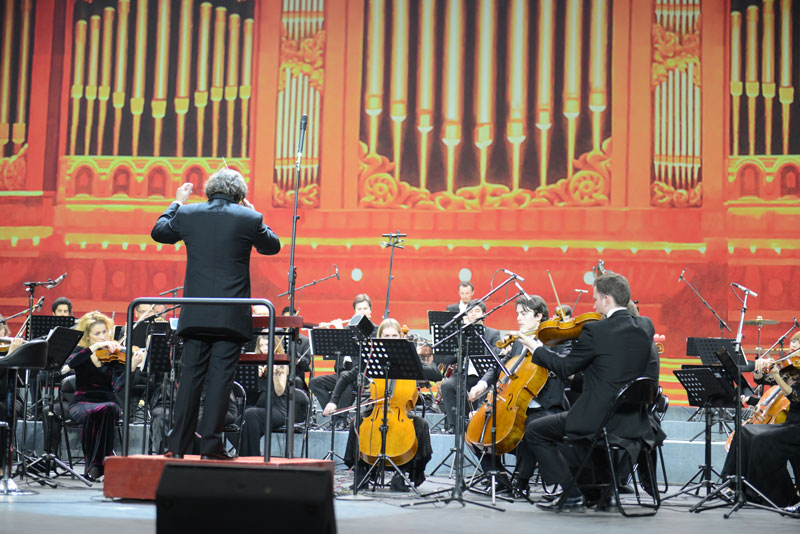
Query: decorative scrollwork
672, 51
308, 197
664, 195
305, 56
14, 170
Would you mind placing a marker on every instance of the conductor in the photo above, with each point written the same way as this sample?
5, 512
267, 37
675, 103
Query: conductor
219, 235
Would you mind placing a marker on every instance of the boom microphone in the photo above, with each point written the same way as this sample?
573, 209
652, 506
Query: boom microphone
742, 288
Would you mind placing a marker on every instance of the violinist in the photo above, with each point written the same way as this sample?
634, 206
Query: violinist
12, 345
449, 386
531, 311
612, 352
389, 329
767, 448
99, 374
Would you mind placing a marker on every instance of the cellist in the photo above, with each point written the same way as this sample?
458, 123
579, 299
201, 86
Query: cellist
388, 329
767, 448
531, 311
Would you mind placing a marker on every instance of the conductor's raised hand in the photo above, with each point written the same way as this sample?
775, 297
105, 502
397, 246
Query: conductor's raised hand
184, 192
246, 203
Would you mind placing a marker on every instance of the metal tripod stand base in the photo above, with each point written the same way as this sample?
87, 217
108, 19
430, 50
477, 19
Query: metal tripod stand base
51, 462
691, 486
738, 500
9, 487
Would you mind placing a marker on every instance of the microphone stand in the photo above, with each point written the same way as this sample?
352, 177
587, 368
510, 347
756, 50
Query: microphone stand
457, 493
313, 283
722, 324
394, 242
290, 395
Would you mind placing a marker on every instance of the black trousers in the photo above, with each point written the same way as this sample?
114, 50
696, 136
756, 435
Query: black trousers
449, 389
544, 438
322, 388
216, 358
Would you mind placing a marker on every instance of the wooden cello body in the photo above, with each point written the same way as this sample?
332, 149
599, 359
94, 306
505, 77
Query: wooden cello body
514, 393
771, 409
401, 437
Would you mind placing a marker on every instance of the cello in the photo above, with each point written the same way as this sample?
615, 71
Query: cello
395, 398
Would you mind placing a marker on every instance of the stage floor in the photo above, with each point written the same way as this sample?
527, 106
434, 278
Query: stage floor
74, 507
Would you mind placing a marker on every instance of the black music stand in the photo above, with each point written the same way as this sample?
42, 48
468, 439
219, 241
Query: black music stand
706, 387
247, 377
334, 344
60, 343
40, 327
737, 482
444, 340
395, 359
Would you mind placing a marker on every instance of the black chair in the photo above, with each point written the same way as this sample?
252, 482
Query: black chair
31, 355
659, 410
235, 427
638, 396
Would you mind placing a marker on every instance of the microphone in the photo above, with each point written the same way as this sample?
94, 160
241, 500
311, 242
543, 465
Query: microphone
56, 282
303, 127
39, 304
682, 273
742, 288
337, 272
580, 291
509, 273
522, 290
394, 235
384, 244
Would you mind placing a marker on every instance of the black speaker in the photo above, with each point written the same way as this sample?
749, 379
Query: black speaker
215, 498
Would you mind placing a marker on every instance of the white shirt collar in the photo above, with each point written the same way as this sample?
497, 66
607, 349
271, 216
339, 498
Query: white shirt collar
612, 311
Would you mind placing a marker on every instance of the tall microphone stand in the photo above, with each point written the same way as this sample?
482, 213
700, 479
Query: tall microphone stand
457, 493
722, 324
313, 282
393, 243
292, 289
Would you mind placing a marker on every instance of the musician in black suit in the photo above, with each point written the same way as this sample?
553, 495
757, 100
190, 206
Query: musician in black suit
465, 292
612, 352
449, 386
219, 236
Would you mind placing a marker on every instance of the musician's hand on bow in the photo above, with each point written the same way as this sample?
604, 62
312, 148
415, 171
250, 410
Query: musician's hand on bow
531, 343
476, 390
261, 370
763, 365
138, 359
329, 409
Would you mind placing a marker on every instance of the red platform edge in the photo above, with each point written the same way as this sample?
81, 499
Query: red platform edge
137, 476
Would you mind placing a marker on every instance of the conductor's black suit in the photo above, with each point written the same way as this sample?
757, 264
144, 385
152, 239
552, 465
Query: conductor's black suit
219, 235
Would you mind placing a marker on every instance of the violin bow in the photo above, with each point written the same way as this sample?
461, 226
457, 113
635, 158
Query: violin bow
558, 302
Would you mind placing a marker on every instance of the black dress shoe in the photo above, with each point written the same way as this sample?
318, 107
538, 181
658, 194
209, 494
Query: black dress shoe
93, 473
549, 497
219, 455
520, 488
571, 504
172, 455
608, 505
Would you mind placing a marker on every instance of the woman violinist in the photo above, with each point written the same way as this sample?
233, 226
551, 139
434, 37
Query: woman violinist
767, 448
531, 311
98, 362
415, 467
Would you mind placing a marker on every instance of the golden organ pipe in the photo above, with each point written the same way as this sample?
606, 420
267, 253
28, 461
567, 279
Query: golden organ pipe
373, 106
19, 127
91, 80
751, 85
232, 87
572, 76
139, 63
425, 84
768, 70
737, 88
161, 79
545, 76
453, 86
517, 86
598, 67
104, 91
398, 108
77, 81
203, 51
786, 90
485, 66
245, 89
184, 72
121, 69
5, 73
217, 75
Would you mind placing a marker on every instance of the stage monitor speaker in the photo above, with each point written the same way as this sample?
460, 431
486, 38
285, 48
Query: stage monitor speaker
215, 498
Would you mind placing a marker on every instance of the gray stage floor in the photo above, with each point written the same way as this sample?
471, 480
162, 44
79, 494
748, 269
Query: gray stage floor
76, 508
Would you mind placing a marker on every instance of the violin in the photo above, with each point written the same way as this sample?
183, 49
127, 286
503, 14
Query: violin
558, 330
106, 356
509, 339
5, 344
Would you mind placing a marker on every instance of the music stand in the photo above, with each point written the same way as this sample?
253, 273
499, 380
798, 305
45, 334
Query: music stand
706, 387
247, 377
61, 342
390, 359
334, 344
41, 325
737, 482
444, 340
706, 349
158, 359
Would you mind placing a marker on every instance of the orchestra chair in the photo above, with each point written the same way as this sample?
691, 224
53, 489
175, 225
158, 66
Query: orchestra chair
659, 410
638, 396
31, 355
235, 427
